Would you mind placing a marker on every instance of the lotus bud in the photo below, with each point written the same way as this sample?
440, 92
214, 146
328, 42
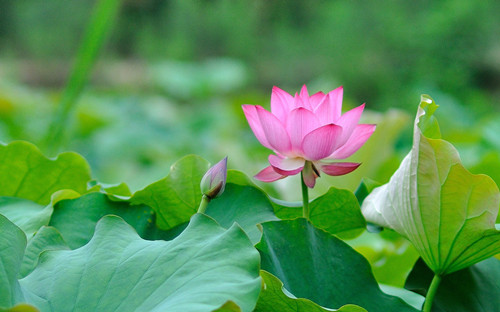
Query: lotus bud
214, 181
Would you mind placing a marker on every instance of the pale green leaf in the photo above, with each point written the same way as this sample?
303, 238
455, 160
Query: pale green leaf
445, 211
177, 197
76, 218
47, 238
428, 123
200, 270
26, 214
12, 244
27, 174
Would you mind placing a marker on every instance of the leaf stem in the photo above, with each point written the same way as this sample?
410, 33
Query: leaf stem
305, 197
429, 298
203, 204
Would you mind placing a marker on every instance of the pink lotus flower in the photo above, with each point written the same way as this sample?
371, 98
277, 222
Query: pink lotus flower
305, 132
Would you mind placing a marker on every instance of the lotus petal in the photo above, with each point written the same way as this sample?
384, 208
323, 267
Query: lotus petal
301, 121
348, 121
358, 138
321, 142
286, 166
275, 133
280, 103
253, 119
337, 169
268, 175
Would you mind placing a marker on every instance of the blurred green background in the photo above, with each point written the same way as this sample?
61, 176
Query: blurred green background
171, 77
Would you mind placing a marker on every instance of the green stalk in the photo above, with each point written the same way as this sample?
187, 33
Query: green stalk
104, 13
305, 197
203, 204
429, 298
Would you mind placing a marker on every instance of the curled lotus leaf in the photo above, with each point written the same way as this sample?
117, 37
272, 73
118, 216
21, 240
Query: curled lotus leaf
446, 212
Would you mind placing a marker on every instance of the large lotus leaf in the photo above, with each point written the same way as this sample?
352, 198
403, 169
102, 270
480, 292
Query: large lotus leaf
246, 205
475, 288
76, 218
274, 299
176, 197
26, 173
446, 212
12, 244
316, 265
336, 211
47, 238
200, 270
24, 213
238, 177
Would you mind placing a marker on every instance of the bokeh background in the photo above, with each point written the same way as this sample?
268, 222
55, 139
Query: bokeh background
171, 77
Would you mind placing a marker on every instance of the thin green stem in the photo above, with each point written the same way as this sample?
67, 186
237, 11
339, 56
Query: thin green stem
99, 25
431, 293
203, 204
305, 197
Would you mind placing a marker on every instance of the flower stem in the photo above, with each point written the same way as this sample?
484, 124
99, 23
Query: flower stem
305, 197
203, 204
429, 298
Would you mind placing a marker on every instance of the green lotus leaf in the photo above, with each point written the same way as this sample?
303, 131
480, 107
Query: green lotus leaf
475, 288
47, 238
28, 174
76, 218
238, 177
120, 189
274, 299
365, 187
336, 211
176, 197
12, 245
446, 212
316, 265
201, 270
26, 214
414, 299
246, 205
